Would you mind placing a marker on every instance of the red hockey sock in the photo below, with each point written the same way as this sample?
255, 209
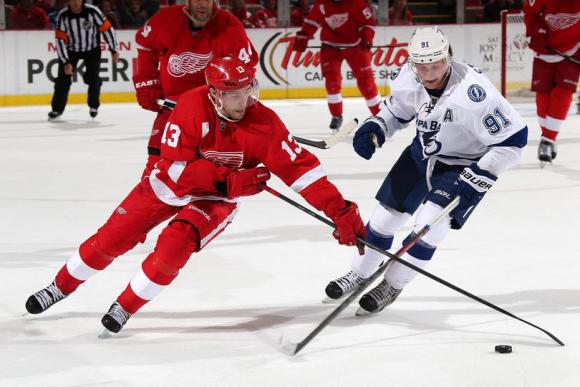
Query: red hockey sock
560, 100
542, 103
335, 108
89, 260
559, 104
375, 109
550, 134
66, 282
130, 301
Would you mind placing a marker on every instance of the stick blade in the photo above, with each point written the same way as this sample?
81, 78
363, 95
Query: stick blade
288, 347
342, 133
331, 141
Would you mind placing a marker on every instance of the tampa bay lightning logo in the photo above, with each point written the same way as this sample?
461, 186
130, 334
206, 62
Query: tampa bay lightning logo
476, 93
430, 144
428, 130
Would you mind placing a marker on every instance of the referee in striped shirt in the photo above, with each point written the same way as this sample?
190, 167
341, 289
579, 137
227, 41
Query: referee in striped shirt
78, 36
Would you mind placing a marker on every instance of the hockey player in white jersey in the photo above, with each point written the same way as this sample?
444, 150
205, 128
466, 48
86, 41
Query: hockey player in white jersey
467, 134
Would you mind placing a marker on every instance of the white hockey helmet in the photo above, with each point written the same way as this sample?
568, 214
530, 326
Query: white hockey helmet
428, 45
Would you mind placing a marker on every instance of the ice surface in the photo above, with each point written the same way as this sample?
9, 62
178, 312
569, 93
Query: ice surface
220, 322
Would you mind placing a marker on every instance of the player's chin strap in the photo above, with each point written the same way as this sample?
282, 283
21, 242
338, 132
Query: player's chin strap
218, 110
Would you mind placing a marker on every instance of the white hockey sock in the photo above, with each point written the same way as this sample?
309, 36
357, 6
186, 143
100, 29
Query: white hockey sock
399, 275
365, 265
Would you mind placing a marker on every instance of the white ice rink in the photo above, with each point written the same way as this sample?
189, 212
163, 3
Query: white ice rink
219, 323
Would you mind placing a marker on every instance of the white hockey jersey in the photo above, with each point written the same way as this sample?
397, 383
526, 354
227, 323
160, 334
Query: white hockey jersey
470, 122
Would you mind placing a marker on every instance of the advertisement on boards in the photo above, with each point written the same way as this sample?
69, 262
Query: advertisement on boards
31, 64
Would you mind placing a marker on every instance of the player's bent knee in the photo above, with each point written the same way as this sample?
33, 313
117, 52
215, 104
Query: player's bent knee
176, 243
386, 221
115, 242
93, 254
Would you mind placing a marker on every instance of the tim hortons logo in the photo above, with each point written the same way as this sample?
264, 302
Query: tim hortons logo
187, 63
394, 54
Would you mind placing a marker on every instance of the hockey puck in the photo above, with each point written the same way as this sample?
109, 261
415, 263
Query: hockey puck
503, 348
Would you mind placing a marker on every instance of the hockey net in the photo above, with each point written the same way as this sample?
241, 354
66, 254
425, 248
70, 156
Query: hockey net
516, 57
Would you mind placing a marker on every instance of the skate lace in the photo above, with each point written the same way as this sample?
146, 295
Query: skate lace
118, 313
49, 295
384, 292
545, 148
349, 280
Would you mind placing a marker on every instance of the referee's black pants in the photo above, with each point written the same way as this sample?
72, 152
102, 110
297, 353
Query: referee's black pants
92, 61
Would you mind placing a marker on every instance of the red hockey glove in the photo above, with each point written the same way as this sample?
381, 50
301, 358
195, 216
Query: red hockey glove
300, 41
539, 40
366, 38
244, 182
349, 225
148, 92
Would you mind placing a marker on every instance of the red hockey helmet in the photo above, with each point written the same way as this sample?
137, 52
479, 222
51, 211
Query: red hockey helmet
229, 73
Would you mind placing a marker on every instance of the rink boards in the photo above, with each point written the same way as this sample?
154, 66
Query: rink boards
30, 62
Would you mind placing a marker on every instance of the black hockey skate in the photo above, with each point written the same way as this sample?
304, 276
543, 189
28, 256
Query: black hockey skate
44, 299
114, 319
378, 299
547, 151
342, 286
93, 112
335, 122
53, 116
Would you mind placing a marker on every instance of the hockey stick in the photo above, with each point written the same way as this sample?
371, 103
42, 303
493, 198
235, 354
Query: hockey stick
332, 140
568, 57
292, 348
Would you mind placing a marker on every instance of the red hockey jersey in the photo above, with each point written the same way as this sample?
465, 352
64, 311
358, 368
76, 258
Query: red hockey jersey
560, 18
169, 50
343, 23
199, 148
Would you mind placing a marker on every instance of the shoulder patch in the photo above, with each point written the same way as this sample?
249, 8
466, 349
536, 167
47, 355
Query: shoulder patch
476, 93
476, 69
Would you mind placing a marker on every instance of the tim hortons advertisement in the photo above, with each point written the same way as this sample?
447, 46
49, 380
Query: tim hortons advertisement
283, 68
30, 61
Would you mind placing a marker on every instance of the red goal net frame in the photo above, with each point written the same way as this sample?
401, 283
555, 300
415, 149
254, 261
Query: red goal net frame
514, 43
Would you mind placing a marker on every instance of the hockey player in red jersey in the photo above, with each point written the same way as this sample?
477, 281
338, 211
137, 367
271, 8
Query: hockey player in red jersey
211, 151
347, 34
174, 47
554, 29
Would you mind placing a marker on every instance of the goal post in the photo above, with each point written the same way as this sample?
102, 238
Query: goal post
516, 58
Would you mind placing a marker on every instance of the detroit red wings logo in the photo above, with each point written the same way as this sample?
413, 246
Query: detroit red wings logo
227, 159
561, 21
335, 21
187, 63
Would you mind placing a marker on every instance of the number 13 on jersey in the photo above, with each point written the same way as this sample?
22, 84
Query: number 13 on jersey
171, 135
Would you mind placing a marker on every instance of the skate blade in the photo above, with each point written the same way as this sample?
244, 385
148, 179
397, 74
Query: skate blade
106, 334
544, 163
360, 312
